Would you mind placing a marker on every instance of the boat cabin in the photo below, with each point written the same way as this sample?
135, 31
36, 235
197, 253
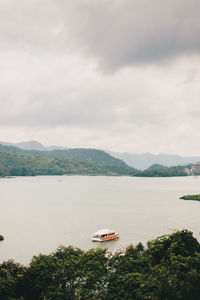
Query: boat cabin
104, 235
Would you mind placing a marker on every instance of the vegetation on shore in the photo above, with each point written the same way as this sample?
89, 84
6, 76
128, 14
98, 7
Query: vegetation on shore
169, 268
163, 172
1, 237
191, 197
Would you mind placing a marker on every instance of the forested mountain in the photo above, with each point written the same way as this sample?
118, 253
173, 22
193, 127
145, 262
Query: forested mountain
15, 161
93, 155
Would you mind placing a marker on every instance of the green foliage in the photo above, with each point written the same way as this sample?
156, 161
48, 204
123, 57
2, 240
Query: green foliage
191, 197
11, 280
18, 162
94, 155
164, 172
169, 268
180, 243
1, 237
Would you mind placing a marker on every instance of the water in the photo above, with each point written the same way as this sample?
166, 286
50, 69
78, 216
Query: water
40, 213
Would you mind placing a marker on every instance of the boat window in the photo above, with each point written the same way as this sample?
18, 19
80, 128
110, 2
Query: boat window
103, 235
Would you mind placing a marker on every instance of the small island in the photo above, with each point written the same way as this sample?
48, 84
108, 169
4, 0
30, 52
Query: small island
1, 237
191, 197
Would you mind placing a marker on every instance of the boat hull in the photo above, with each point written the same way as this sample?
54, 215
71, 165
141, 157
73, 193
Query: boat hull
106, 239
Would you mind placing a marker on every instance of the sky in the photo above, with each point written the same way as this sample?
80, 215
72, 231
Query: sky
121, 75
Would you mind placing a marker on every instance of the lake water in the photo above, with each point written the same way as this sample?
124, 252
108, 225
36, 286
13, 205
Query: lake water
40, 213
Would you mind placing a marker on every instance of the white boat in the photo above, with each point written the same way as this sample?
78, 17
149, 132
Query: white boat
105, 235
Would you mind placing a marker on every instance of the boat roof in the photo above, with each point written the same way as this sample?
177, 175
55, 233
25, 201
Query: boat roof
104, 231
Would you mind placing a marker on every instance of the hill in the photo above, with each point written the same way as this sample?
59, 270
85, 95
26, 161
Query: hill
93, 155
18, 162
165, 172
157, 167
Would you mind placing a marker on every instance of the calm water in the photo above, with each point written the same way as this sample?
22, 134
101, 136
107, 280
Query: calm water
40, 213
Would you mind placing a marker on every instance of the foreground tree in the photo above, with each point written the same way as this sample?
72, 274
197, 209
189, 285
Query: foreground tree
168, 269
54, 276
11, 280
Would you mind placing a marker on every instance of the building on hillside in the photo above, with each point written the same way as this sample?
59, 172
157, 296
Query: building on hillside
196, 168
188, 171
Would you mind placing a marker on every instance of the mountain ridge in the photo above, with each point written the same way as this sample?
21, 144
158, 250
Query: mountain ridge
139, 161
33, 145
145, 160
19, 162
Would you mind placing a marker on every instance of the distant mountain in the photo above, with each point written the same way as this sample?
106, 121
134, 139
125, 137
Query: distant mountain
19, 162
32, 145
145, 160
157, 167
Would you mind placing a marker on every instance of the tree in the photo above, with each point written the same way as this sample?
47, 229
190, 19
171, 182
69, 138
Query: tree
11, 280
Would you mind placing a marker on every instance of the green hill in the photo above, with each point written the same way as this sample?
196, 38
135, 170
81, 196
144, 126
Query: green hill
157, 167
166, 172
18, 162
94, 155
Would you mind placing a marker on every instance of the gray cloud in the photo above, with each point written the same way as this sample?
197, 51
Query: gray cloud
117, 33
122, 33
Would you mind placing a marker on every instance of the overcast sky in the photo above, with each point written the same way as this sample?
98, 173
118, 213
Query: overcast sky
122, 75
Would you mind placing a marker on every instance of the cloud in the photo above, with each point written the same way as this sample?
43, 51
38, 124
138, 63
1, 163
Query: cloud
129, 32
117, 33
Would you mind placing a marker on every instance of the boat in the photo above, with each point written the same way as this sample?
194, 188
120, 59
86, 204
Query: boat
105, 235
